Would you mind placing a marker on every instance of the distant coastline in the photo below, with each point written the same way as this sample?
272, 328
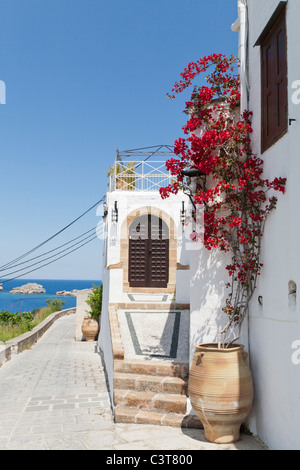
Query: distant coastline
26, 303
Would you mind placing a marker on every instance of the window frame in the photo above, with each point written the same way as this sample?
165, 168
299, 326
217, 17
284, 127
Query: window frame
279, 77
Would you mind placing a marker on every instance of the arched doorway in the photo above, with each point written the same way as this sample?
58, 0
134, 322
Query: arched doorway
148, 252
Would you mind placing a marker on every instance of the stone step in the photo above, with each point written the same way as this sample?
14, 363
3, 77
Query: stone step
167, 403
150, 383
137, 416
153, 367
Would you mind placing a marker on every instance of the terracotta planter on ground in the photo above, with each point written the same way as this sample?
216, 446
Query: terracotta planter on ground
221, 390
90, 329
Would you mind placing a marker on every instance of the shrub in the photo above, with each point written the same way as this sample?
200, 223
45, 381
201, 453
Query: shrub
55, 304
15, 324
95, 301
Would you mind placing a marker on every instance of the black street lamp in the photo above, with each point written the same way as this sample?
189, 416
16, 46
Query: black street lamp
194, 179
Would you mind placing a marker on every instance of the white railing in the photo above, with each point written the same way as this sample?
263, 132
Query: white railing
139, 176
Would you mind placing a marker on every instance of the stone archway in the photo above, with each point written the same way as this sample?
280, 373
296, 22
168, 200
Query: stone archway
172, 249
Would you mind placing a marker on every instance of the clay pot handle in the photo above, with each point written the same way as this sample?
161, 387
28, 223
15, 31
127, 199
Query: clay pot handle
198, 358
245, 356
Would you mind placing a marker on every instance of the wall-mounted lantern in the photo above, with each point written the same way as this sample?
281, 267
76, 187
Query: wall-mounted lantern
182, 214
114, 214
194, 179
105, 210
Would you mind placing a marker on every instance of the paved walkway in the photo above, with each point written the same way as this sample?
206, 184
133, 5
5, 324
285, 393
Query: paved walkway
54, 397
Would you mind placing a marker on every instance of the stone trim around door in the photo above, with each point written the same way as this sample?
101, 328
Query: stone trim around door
124, 249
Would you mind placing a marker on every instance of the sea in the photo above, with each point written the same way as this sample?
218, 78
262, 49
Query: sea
26, 303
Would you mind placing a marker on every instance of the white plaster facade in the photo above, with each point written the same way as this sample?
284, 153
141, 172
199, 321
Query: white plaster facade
116, 244
271, 335
128, 202
274, 327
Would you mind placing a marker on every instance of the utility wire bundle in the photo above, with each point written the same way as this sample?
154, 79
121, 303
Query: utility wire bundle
84, 239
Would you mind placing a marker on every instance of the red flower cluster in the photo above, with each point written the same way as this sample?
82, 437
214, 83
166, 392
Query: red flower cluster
218, 143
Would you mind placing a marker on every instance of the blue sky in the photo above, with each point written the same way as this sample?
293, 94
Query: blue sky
83, 78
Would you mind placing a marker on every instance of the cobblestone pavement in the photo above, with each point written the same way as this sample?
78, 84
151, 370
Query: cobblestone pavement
54, 397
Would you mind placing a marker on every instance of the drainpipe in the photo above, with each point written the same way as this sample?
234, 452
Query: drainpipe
241, 26
243, 56
243, 53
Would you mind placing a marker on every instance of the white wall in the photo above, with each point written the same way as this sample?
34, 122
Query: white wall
207, 295
81, 311
275, 325
104, 338
128, 201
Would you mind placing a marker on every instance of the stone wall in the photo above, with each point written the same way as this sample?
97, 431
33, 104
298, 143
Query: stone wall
82, 309
25, 341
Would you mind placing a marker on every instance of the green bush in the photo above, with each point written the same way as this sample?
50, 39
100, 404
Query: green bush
27, 316
15, 318
95, 301
15, 324
55, 304
5, 317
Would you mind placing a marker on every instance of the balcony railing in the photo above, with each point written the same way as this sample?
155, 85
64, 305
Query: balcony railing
139, 176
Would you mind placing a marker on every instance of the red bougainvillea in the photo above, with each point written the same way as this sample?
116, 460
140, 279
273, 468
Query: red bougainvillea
236, 201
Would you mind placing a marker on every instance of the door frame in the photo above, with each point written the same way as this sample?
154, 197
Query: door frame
124, 249
149, 259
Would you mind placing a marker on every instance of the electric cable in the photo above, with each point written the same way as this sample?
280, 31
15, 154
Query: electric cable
52, 256
11, 265
50, 262
53, 236
50, 251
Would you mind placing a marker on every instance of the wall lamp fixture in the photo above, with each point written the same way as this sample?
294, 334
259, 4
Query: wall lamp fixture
194, 179
182, 214
114, 214
105, 210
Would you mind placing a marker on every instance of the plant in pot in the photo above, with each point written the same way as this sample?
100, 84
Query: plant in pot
125, 175
236, 206
90, 326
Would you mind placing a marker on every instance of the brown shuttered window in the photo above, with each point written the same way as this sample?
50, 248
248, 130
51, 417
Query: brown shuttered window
274, 84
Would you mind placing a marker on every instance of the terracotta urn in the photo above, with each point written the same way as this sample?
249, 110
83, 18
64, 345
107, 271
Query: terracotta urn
90, 329
221, 390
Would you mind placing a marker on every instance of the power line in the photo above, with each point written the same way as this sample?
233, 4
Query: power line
50, 251
52, 256
50, 262
11, 265
53, 236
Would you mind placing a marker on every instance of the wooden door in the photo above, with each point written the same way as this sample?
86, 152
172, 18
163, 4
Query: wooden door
148, 252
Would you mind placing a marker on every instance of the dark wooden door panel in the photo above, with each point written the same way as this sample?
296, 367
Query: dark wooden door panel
159, 263
138, 262
148, 253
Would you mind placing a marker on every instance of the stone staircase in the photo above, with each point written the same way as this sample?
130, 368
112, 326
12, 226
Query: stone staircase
152, 392
149, 391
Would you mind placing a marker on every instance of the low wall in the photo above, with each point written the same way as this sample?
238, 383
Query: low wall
82, 309
22, 342
5, 354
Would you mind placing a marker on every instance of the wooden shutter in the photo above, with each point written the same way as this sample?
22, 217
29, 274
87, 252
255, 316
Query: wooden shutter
159, 254
138, 252
274, 83
148, 253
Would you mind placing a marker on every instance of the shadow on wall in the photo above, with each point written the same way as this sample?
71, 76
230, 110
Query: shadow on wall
208, 293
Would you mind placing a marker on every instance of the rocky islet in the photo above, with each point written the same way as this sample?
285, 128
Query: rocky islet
30, 289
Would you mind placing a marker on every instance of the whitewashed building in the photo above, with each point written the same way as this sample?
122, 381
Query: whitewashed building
145, 255
270, 88
269, 52
195, 277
